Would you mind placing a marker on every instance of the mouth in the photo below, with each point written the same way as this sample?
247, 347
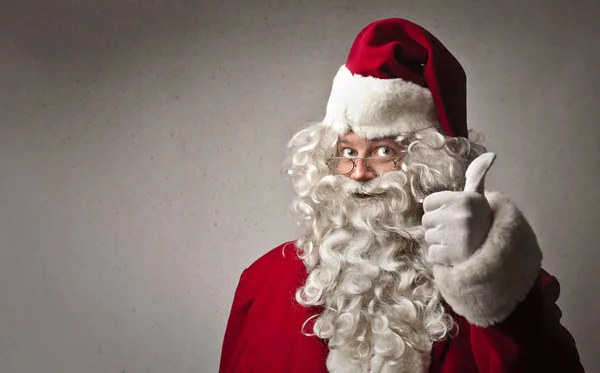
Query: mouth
363, 196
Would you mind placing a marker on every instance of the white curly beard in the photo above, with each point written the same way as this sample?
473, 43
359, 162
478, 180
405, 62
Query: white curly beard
378, 296
364, 258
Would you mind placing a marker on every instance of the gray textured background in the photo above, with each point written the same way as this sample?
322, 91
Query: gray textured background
141, 146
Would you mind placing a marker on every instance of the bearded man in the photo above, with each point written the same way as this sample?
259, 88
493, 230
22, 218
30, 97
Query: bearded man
406, 264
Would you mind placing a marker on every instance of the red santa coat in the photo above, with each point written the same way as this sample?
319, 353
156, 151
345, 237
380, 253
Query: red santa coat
264, 331
263, 334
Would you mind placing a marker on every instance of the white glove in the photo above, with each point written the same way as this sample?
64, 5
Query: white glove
457, 223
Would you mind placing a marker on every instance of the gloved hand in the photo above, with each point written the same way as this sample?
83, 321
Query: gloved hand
457, 223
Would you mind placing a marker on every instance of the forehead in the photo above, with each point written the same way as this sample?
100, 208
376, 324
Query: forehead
353, 139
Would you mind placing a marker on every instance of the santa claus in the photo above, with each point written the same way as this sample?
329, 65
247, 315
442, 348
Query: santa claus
406, 264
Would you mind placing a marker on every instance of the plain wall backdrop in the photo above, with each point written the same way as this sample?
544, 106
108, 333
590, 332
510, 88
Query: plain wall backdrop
141, 145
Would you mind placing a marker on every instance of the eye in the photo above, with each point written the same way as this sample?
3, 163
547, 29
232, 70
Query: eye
384, 151
348, 152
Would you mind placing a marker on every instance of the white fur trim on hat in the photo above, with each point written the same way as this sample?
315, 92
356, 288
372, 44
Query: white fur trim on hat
487, 287
375, 108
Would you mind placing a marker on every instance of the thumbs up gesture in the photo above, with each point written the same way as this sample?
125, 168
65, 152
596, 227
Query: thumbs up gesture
457, 223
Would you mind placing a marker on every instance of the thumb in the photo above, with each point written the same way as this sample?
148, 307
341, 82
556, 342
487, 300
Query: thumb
475, 175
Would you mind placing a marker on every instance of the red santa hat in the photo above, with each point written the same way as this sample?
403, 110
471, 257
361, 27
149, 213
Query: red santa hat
398, 78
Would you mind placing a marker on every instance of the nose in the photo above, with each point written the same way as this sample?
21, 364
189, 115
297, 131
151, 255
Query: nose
361, 172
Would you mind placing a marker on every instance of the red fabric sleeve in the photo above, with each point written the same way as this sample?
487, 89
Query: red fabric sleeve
531, 339
232, 341
264, 331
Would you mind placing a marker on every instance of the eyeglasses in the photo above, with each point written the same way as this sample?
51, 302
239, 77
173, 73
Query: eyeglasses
377, 165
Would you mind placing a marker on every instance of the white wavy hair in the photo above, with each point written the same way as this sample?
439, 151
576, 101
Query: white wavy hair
366, 267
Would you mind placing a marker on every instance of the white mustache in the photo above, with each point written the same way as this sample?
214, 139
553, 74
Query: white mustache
376, 186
